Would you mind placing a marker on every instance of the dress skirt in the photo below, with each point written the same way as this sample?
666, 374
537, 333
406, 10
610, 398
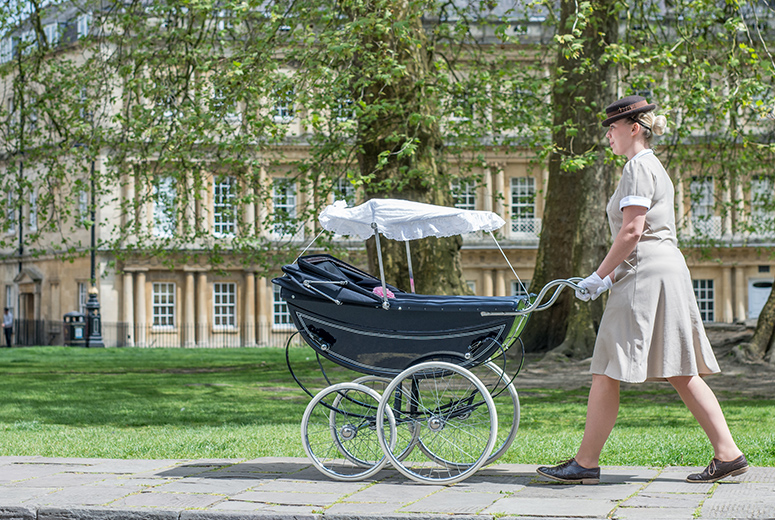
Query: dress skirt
651, 327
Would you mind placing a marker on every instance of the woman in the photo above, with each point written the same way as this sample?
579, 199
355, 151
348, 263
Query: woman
651, 328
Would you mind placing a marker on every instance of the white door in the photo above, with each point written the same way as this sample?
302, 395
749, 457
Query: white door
758, 292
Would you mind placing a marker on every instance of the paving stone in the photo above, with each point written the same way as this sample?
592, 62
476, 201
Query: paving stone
18, 495
61, 481
131, 467
22, 472
453, 501
509, 470
206, 485
238, 515
613, 492
758, 510
275, 465
394, 492
743, 491
627, 474
327, 486
168, 500
352, 509
653, 513
551, 507
655, 500
677, 486
184, 471
313, 499
81, 496
237, 505
17, 513
493, 484
53, 513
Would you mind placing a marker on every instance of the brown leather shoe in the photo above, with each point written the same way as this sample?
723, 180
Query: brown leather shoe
718, 470
571, 472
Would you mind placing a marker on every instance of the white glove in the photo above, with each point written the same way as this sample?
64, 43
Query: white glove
594, 285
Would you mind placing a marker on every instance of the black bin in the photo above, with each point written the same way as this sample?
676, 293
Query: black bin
75, 329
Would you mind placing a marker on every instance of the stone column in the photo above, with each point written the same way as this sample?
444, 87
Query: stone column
500, 283
726, 219
488, 189
249, 224
263, 310
499, 188
262, 216
189, 318
141, 317
487, 283
740, 292
248, 327
128, 308
726, 294
202, 321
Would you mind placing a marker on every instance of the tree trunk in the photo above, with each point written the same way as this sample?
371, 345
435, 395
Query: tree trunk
762, 344
575, 235
397, 110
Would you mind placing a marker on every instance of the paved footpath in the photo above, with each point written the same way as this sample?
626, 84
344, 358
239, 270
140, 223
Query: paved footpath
36, 488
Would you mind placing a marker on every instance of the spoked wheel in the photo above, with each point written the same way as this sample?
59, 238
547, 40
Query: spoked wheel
405, 430
339, 432
452, 416
501, 388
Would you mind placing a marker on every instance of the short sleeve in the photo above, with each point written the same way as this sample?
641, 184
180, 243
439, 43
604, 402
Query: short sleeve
637, 186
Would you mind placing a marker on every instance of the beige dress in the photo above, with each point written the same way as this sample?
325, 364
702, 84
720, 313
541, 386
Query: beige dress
651, 328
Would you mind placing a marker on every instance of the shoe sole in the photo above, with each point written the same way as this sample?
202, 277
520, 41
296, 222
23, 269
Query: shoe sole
722, 477
586, 481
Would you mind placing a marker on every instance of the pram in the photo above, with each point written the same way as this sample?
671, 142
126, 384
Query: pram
429, 361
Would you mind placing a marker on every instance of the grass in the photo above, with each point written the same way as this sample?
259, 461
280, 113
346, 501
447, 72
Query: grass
243, 403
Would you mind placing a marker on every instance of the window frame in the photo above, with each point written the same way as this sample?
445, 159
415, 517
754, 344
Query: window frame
224, 207
170, 317
219, 306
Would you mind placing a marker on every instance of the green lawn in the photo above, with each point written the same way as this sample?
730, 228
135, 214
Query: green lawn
243, 403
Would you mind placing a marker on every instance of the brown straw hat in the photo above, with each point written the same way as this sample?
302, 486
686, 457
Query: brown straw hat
627, 107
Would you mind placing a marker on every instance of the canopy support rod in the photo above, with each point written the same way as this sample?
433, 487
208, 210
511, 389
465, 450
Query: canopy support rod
519, 280
409, 261
385, 303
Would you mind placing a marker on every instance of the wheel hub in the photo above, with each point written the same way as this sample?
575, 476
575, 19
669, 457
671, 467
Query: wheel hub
347, 432
435, 423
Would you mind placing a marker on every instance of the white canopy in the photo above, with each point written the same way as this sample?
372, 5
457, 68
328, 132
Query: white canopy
405, 220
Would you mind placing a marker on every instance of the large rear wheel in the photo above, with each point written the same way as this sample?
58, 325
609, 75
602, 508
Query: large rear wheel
452, 415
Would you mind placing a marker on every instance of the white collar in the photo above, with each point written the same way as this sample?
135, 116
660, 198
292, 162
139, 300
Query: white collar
642, 153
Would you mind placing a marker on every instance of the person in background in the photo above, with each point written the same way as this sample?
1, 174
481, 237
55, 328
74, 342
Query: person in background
7, 326
651, 328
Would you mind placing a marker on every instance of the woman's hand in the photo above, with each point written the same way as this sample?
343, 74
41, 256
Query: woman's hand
594, 285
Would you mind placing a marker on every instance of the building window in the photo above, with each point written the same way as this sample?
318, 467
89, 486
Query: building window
83, 206
344, 109
225, 305
283, 111
344, 190
33, 219
464, 193
163, 304
9, 299
703, 291
471, 286
83, 296
83, 24
281, 316
52, 34
164, 207
284, 213
520, 289
10, 211
224, 210
6, 50
704, 222
523, 211
761, 204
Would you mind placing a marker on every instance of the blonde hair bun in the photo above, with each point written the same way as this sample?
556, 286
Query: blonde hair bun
659, 125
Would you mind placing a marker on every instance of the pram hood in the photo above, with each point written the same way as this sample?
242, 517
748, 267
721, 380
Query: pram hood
405, 220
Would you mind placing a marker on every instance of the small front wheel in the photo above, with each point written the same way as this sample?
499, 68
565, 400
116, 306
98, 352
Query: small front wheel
339, 432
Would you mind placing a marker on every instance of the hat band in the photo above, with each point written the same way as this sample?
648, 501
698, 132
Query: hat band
628, 108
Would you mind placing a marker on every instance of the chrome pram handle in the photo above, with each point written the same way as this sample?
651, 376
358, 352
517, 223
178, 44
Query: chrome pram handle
557, 285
